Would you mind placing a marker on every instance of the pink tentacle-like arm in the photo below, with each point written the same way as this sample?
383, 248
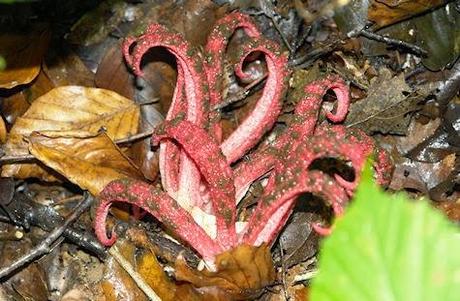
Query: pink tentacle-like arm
307, 110
292, 175
158, 204
311, 103
213, 64
268, 107
180, 177
216, 47
383, 165
206, 153
306, 116
265, 224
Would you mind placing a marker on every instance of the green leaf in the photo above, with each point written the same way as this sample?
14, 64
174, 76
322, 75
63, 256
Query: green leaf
389, 248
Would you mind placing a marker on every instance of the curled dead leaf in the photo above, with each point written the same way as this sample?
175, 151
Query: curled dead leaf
117, 284
385, 12
241, 272
70, 108
23, 54
88, 160
2, 131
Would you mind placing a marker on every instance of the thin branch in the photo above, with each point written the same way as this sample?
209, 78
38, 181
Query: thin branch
240, 95
47, 244
283, 271
390, 41
24, 212
134, 138
306, 60
148, 291
268, 10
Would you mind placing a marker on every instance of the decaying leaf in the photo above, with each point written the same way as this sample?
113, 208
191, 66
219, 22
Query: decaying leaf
386, 107
241, 272
444, 141
143, 155
64, 68
154, 275
88, 160
23, 54
298, 239
439, 33
451, 210
422, 176
70, 108
386, 12
117, 284
30, 282
2, 131
7, 188
95, 25
14, 106
112, 73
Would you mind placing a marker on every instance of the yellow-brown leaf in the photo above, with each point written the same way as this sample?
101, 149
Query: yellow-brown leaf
387, 12
117, 284
2, 131
70, 108
155, 277
90, 161
241, 272
23, 55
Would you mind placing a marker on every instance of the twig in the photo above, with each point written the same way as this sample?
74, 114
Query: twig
133, 138
148, 291
283, 271
46, 245
31, 158
268, 10
390, 41
306, 276
240, 95
24, 212
306, 60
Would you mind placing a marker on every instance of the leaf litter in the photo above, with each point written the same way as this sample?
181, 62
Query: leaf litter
43, 118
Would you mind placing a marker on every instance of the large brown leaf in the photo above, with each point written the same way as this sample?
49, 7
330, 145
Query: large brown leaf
70, 108
241, 272
90, 161
386, 12
23, 55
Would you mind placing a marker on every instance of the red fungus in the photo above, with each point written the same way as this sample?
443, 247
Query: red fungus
192, 154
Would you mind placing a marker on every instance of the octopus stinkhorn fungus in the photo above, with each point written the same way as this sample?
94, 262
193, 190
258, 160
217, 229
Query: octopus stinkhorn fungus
201, 172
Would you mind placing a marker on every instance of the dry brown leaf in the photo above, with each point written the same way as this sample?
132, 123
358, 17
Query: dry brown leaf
88, 160
63, 67
386, 12
14, 106
117, 284
29, 283
112, 73
70, 108
2, 131
241, 272
155, 277
23, 54
41, 85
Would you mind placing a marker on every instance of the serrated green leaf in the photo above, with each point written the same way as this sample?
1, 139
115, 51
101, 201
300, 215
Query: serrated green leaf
389, 248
